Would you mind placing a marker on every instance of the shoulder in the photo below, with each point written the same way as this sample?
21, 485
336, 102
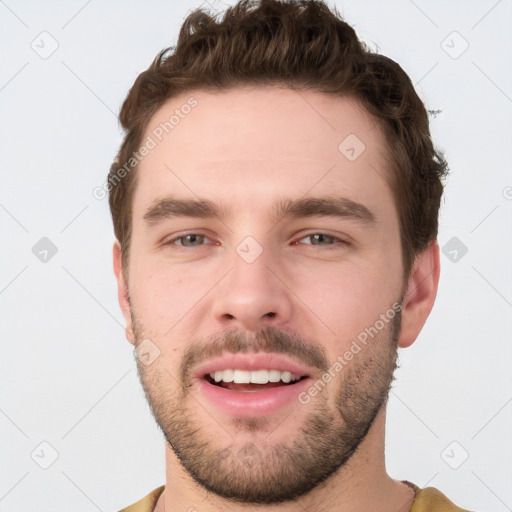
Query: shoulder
431, 499
146, 504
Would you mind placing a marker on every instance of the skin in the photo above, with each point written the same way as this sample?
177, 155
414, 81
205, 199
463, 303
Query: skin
243, 149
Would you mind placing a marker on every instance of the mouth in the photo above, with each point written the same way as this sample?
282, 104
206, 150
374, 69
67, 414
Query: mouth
254, 381
252, 385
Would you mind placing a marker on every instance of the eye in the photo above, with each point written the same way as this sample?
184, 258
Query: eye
323, 240
189, 240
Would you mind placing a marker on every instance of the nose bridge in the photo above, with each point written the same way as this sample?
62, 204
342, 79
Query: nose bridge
252, 295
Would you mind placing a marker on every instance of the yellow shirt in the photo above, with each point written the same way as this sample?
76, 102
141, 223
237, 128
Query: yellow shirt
426, 500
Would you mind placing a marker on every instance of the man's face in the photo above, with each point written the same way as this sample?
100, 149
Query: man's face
305, 287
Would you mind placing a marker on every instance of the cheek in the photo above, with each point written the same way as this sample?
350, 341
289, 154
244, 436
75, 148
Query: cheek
161, 304
160, 298
167, 296
346, 298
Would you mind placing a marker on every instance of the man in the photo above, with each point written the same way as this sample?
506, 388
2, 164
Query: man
275, 203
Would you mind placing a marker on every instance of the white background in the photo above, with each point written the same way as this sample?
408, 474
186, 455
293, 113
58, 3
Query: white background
67, 375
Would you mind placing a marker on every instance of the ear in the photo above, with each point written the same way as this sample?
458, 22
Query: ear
122, 291
421, 294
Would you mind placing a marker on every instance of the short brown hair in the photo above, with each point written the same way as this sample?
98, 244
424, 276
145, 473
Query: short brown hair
299, 44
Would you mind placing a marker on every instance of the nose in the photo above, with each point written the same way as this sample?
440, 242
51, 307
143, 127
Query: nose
252, 295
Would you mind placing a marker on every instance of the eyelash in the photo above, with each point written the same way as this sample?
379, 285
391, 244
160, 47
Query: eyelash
328, 247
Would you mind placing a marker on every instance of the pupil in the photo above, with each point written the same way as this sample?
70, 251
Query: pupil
320, 238
192, 238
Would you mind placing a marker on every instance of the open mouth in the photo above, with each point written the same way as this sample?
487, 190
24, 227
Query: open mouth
245, 393
260, 380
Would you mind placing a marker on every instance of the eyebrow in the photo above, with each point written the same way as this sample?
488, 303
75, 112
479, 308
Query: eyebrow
331, 206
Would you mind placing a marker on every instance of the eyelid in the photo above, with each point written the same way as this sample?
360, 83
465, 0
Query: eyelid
344, 240
337, 239
177, 236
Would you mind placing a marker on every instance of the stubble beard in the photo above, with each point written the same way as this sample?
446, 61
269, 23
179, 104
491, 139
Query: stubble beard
263, 471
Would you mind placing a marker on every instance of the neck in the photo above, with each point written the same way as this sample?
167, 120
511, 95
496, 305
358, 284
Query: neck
361, 485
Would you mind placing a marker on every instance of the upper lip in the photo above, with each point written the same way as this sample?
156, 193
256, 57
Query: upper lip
254, 361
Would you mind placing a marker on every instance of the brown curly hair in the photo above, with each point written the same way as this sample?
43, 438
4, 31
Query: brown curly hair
301, 44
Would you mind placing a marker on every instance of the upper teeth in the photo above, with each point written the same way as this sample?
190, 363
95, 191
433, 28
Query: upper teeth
254, 376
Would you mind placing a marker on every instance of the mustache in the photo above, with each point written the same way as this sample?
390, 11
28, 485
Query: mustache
265, 339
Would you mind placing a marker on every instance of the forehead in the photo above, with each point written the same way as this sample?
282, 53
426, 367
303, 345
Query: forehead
255, 143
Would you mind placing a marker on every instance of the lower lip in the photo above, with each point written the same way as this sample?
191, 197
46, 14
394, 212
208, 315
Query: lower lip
252, 404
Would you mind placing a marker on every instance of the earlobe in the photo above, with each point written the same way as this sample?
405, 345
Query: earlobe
122, 290
421, 294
